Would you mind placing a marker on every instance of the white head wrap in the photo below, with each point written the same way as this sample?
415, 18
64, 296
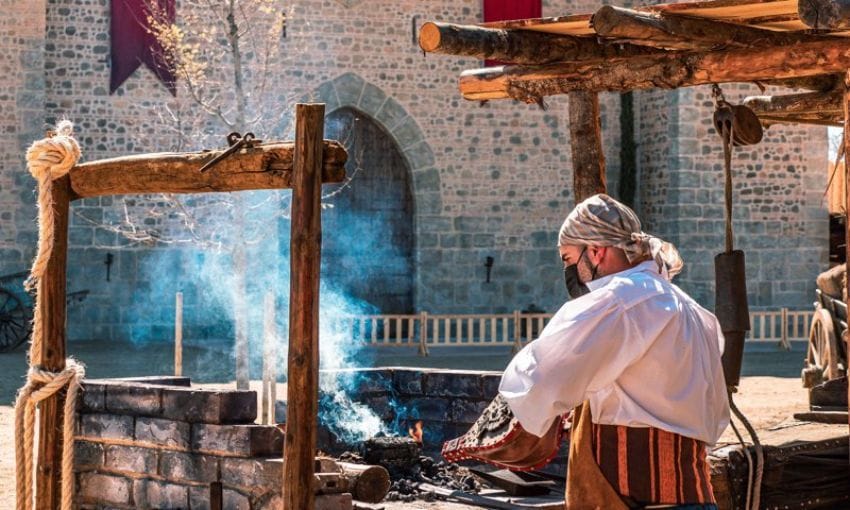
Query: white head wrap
602, 221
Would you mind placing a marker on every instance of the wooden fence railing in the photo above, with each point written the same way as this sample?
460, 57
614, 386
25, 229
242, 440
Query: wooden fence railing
516, 329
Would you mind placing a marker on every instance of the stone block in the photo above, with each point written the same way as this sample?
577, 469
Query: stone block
94, 397
407, 382
464, 411
106, 426
390, 114
427, 408
237, 440
209, 406
371, 99
452, 384
135, 399
87, 455
257, 475
427, 180
163, 433
419, 156
233, 500
156, 494
104, 489
348, 88
179, 466
407, 133
130, 459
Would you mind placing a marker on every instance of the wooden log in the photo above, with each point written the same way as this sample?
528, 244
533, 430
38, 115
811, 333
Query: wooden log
832, 417
823, 120
518, 46
825, 14
671, 31
268, 166
366, 482
586, 145
822, 83
303, 363
807, 103
665, 71
51, 296
847, 204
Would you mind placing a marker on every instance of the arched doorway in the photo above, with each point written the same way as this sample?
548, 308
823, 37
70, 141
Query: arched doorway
367, 234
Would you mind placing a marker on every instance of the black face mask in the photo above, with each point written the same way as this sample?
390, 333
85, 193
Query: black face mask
575, 287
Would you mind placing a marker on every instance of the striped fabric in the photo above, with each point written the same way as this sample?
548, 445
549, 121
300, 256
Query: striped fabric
653, 466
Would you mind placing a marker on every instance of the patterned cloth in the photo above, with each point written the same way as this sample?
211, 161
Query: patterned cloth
648, 465
602, 221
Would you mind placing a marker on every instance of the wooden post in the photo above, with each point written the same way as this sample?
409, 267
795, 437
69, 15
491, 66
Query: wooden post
847, 194
269, 389
51, 294
178, 334
423, 334
586, 145
303, 363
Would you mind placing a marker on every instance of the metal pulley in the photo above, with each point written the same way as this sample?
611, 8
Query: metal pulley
737, 119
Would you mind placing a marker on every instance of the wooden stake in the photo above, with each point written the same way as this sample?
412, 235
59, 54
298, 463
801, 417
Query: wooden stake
178, 334
586, 144
847, 197
303, 374
269, 360
51, 292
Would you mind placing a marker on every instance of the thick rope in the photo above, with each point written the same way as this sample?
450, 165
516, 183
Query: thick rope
47, 159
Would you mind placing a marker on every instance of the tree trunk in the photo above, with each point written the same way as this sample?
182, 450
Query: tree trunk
518, 46
268, 166
672, 31
825, 14
586, 145
303, 364
367, 483
667, 71
808, 103
51, 300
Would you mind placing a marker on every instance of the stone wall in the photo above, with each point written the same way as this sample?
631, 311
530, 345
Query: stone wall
487, 180
158, 443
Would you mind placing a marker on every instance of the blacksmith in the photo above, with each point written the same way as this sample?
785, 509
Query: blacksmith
639, 360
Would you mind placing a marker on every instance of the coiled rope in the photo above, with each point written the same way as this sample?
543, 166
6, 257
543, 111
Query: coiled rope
47, 159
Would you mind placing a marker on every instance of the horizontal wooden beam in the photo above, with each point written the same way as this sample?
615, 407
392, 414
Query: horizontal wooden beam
792, 104
268, 166
519, 46
677, 32
665, 71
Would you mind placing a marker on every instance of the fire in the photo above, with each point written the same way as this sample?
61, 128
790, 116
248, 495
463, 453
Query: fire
416, 432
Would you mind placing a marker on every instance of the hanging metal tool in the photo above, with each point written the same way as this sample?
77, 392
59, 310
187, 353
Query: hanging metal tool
731, 305
235, 141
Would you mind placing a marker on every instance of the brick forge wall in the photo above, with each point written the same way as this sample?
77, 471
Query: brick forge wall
144, 445
780, 218
446, 401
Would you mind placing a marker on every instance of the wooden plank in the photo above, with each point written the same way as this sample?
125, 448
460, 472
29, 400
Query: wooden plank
586, 145
268, 166
51, 300
665, 71
303, 363
847, 201
822, 416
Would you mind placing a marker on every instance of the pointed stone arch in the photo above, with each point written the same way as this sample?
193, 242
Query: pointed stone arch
350, 90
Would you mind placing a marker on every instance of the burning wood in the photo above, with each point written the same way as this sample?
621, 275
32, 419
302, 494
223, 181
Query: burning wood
416, 432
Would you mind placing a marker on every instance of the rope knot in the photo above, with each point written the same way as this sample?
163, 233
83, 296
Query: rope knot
54, 155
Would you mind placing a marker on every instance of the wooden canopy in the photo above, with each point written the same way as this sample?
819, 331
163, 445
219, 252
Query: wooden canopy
769, 42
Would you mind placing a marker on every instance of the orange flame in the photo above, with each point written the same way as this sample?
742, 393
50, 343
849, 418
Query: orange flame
416, 432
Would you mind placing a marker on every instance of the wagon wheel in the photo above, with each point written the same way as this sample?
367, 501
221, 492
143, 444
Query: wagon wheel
822, 357
14, 321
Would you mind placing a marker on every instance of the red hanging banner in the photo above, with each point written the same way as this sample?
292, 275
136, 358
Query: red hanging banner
133, 42
503, 10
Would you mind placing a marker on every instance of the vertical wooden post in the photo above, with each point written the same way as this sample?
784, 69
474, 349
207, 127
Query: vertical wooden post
586, 145
303, 363
178, 334
269, 387
51, 293
847, 191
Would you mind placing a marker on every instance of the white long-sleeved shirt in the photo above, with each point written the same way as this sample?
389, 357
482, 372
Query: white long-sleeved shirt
642, 352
